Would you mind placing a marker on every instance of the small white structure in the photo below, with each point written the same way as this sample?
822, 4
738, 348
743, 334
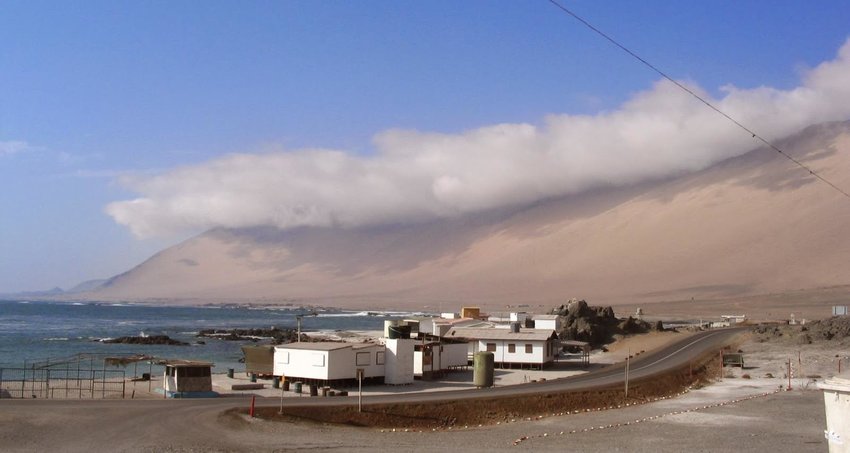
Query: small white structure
519, 316
839, 310
329, 361
836, 396
532, 347
547, 322
398, 368
435, 357
186, 378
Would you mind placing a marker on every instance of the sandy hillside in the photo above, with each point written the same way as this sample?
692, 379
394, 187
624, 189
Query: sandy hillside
754, 224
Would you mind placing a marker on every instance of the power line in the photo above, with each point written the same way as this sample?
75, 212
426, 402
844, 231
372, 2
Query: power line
699, 98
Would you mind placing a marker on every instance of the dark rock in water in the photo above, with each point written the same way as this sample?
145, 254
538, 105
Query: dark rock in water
275, 334
151, 339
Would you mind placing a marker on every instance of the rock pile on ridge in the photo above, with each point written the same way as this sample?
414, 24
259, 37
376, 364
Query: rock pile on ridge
834, 329
597, 325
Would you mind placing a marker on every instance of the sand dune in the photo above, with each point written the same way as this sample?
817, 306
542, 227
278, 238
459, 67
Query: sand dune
749, 225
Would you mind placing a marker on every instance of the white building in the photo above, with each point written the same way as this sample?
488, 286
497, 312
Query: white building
329, 361
530, 347
398, 369
436, 357
519, 316
547, 322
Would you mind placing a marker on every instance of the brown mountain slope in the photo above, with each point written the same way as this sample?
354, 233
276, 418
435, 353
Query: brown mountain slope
751, 224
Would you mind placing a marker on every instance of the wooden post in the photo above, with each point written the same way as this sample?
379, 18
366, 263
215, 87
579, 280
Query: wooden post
282, 379
789, 374
628, 356
721, 364
251, 411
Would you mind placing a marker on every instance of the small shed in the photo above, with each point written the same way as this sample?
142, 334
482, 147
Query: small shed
259, 360
733, 359
187, 379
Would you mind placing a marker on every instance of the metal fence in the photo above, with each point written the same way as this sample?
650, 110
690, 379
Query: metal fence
62, 383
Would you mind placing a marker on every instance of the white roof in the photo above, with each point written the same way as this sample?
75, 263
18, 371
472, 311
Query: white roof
500, 334
320, 346
545, 316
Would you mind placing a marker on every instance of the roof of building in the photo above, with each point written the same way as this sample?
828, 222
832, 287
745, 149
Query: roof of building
175, 363
324, 346
500, 334
536, 317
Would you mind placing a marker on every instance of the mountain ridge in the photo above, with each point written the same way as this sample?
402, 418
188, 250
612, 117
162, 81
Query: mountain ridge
749, 224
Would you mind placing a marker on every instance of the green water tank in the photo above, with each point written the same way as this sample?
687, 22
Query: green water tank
483, 369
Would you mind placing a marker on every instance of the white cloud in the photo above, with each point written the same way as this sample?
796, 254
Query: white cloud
416, 175
14, 147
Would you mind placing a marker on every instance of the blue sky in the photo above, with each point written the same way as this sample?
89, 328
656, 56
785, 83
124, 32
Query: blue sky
93, 93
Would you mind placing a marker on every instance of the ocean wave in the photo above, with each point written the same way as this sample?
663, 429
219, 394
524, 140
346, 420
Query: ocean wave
56, 339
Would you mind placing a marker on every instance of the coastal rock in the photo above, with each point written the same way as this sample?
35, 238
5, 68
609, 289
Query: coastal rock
150, 339
275, 334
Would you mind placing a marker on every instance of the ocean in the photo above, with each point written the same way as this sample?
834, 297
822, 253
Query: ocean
32, 331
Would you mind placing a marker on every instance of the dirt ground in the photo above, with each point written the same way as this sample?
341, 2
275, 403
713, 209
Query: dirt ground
735, 413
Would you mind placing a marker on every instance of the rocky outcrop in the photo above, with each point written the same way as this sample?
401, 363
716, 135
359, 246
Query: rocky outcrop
597, 325
275, 334
150, 339
834, 329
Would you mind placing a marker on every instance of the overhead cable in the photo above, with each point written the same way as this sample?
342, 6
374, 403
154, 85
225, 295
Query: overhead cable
699, 98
